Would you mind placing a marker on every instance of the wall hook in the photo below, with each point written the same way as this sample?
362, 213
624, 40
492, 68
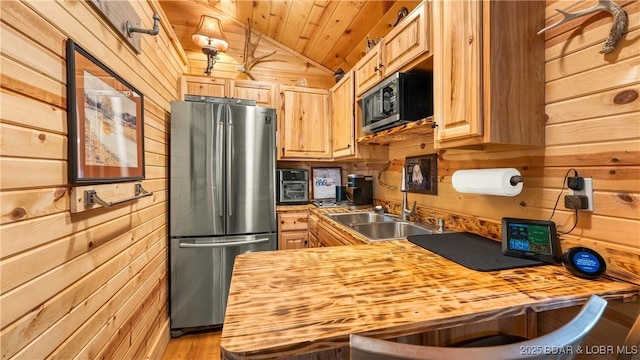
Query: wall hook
153, 31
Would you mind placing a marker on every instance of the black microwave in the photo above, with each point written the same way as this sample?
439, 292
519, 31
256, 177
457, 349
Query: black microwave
398, 99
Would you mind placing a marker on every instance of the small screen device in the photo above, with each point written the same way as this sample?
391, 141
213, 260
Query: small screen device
530, 239
584, 262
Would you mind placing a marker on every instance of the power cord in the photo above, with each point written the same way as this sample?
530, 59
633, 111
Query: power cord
564, 181
380, 182
574, 224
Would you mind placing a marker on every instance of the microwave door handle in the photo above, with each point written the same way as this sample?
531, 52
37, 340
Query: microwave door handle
385, 111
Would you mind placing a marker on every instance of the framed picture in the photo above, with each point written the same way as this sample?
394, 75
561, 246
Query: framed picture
422, 174
105, 114
325, 181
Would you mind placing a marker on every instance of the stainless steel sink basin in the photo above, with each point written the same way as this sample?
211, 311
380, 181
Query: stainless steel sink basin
379, 231
379, 227
350, 219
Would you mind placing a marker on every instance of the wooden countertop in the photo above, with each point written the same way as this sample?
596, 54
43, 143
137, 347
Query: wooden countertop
286, 303
293, 208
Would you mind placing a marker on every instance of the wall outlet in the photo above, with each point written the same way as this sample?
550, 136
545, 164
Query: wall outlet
587, 191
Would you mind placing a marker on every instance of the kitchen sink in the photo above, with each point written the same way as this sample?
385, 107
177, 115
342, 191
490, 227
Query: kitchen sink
350, 219
379, 231
379, 227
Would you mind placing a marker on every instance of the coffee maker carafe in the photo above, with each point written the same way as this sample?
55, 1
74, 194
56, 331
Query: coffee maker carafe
360, 189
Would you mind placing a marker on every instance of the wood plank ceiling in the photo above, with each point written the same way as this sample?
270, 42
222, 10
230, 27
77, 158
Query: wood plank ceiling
329, 33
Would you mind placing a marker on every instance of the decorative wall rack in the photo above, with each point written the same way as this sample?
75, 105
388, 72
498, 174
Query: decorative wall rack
90, 197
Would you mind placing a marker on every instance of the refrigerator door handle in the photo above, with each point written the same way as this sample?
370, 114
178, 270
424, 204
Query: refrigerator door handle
229, 161
218, 158
224, 244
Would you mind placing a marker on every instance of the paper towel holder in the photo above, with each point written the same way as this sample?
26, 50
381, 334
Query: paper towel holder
499, 181
516, 179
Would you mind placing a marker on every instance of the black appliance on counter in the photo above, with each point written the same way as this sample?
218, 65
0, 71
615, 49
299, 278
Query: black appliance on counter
292, 186
360, 189
399, 99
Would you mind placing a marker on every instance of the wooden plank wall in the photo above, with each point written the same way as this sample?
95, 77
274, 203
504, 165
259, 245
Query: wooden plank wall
593, 126
91, 284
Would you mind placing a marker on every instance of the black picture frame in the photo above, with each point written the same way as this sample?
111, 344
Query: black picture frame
106, 122
422, 174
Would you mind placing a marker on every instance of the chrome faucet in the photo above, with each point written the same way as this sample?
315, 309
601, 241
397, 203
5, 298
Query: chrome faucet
405, 213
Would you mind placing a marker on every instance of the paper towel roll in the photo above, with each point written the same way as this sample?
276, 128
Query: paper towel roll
487, 181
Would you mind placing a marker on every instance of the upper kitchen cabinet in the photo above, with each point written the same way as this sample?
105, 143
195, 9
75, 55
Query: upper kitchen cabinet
201, 85
264, 93
408, 40
488, 73
346, 127
369, 70
405, 45
342, 117
304, 130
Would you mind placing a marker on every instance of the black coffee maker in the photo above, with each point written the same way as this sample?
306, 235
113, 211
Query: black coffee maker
360, 189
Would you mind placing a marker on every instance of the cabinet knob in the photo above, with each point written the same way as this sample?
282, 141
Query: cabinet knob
434, 125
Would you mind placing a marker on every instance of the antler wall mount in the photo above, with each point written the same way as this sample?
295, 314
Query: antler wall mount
249, 54
619, 21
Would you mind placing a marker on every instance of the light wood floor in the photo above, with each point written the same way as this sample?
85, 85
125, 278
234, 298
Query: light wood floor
201, 345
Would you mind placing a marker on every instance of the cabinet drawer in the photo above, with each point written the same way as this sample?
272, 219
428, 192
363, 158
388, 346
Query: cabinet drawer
293, 221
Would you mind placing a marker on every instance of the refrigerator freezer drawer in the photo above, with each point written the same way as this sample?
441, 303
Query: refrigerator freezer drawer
200, 272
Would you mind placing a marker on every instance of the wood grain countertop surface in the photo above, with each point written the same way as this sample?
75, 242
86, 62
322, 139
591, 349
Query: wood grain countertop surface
293, 208
287, 303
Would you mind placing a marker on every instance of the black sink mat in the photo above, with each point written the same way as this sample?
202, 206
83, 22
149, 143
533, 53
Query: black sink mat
472, 251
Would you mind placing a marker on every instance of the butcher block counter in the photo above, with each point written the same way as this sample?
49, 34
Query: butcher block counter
296, 302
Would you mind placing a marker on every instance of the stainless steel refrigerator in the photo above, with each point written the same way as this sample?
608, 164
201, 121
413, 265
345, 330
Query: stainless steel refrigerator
221, 203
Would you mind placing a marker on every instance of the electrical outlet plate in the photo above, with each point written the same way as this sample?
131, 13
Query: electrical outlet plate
588, 192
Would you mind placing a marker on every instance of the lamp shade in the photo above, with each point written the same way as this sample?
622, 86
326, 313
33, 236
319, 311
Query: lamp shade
209, 32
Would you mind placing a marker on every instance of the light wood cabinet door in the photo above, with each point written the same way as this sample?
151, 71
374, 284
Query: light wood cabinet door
408, 40
342, 117
293, 240
201, 85
488, 73
313, 241
328, 237
314, 220
264, 93
456, 63
369, 70
293, 230
305, 123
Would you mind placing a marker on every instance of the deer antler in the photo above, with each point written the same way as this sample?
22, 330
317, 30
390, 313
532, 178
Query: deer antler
619, 21
249, 54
